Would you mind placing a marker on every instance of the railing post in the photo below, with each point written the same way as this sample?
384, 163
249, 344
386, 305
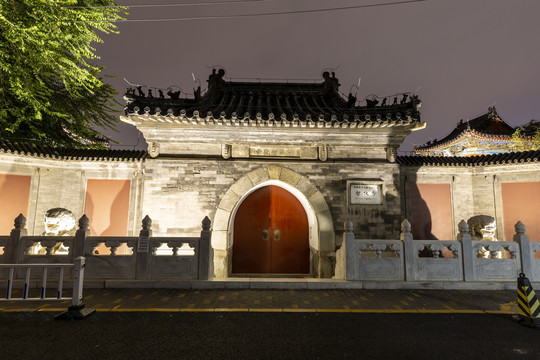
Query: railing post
79, 244
527, 255
77, 309
78, 279
408, 248
13, 249
466, 244
144, 248
204, 249
349, 246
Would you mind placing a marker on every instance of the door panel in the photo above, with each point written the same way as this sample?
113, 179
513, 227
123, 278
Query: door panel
271, 234
251, 253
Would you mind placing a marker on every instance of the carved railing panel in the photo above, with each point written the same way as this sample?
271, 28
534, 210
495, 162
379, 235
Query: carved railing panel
174, 258
110, 257
375, 260
496, 260
437, 260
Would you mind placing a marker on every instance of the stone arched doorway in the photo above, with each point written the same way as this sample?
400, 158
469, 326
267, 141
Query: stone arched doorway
321, 229
271, 234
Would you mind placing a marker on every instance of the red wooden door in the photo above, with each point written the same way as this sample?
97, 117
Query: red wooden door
271, 234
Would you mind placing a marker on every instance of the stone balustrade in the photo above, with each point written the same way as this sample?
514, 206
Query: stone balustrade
462, 260
113, 257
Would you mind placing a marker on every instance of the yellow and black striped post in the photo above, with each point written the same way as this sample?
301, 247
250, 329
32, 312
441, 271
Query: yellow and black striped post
528, 304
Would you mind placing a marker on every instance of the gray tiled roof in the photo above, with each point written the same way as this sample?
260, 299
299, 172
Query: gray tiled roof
32, 149
268, 100
483, 160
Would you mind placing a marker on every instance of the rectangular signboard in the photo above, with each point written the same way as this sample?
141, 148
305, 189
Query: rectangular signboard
361, 194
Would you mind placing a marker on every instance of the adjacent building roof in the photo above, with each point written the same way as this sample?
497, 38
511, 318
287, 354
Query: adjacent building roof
31, 149
483, 160
289, 101
487, 133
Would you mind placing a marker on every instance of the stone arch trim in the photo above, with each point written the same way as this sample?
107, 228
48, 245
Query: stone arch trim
222, 218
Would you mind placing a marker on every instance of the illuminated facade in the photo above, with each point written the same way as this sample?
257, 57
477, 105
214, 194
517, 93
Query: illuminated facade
278, 168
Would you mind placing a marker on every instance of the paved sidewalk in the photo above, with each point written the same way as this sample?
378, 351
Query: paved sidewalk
288, 300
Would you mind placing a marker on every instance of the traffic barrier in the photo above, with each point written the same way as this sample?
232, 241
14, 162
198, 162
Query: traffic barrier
528, 304
76, 310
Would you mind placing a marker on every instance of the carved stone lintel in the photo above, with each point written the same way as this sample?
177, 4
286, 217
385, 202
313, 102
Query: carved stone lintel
153, 149
226, 151
323, 153
391, 154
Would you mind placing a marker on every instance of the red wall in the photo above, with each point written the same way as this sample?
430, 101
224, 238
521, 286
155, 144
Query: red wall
430, 211
14, 195
107, 206
521, 201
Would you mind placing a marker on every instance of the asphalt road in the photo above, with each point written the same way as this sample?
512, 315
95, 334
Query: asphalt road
242, 335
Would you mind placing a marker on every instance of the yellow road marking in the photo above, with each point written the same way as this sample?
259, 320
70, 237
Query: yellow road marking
299, 310
262, 310
166, 298
136, 297
88, 296
222, 297
181, 295
117, 301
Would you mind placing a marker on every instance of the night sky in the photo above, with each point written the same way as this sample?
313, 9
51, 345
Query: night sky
461, 56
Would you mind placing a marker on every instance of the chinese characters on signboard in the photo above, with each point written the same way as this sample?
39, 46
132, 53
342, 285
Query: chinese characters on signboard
365, 194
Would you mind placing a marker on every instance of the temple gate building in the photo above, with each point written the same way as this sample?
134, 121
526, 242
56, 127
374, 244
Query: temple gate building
278, 168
